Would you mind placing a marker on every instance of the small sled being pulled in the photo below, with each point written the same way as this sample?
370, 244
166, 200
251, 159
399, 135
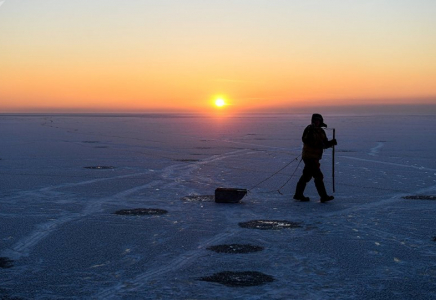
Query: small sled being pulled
229, 195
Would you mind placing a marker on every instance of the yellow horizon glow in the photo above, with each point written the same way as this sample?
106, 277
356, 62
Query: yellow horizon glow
143, 57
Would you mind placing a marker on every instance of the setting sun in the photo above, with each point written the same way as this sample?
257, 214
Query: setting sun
93, 56
220, 102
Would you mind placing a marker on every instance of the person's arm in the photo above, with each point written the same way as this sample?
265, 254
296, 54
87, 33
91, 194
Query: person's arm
329, 144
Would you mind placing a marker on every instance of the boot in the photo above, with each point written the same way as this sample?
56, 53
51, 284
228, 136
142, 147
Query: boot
320, 187
327, 198
301, 185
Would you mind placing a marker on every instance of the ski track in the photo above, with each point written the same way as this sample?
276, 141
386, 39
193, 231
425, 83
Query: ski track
388, 163
190, 257
182, 260
25, 245
179, 262
174, 175
375, 150
170, 177
49, 190
400, 239
384, 235
395, 198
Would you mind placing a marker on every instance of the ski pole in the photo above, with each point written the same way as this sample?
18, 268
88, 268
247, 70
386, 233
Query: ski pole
333, 162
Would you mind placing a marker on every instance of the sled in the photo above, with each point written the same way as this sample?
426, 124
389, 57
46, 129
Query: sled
229, 195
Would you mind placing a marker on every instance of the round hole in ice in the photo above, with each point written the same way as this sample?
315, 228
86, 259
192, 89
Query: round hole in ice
235, 248
141, 212
187, 160
100, 167
420, 197
239, 279
6, 263
269, 224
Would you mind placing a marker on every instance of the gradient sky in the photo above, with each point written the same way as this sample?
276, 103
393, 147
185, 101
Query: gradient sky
140, 55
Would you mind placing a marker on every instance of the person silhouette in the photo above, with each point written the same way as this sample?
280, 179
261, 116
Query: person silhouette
314, 142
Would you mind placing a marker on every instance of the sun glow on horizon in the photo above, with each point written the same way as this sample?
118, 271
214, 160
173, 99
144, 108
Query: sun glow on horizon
98, 56
220, 102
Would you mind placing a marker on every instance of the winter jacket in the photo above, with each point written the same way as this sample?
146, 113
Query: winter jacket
315, 141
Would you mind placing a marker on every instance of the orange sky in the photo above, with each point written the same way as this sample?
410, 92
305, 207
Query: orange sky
141, 57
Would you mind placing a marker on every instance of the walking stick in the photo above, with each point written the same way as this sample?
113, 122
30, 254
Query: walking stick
333, 161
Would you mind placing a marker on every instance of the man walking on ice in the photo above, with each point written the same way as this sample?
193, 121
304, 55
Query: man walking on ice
314, 143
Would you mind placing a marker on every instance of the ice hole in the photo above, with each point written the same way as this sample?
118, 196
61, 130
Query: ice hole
420, 197
6, 297
100, 167
187, 160
141, 212
6, 263
239, 279
269, 224
235, 248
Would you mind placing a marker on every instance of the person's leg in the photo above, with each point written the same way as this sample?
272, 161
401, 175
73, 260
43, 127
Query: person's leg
301, 185
319, 184
299, 191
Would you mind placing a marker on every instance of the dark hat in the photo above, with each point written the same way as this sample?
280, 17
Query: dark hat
319, 117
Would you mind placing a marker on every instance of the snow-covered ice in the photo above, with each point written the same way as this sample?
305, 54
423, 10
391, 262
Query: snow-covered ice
60, 238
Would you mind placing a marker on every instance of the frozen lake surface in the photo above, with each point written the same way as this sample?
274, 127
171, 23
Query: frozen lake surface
63, 177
